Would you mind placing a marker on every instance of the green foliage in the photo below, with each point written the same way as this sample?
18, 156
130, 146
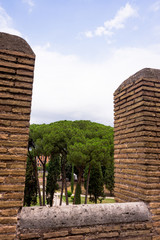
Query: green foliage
72, 198
79, 143
69, 193
77, 196
91, 142
30, 192
96, 181
47, 164
68, 168
41, 149
53, 174
109, 176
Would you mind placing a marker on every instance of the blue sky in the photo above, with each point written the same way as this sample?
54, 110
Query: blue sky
84, 50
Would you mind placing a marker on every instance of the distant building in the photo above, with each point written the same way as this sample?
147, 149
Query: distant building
43, 159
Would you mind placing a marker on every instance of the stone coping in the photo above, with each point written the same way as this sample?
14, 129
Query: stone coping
14, 43
149, 73
82, 215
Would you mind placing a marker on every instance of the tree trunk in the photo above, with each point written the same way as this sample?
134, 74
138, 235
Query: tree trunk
111, 193
62, 188
87, 186
39, 191
44, 186
65, 185
44, 176
51, 199
61, 192
72, 179
38, 186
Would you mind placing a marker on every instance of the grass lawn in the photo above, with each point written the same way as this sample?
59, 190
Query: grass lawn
106, 200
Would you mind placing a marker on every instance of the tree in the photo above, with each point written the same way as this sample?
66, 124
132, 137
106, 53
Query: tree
30, 192
78, 158
37, 134
109, 176
78, 143
31, 150
109, 173
72, 179
91, 143
96, 181
57, 141
53, 175
77, 197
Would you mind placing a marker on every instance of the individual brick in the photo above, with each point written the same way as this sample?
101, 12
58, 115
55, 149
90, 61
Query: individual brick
15, 188
8, 212
7, 229
7, 57
26, 61
29, 236
10, 204
80, 237
55, 234
8, 220
8, 237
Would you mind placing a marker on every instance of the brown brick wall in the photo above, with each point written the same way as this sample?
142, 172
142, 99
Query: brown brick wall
137, 141
16, 78
127, 231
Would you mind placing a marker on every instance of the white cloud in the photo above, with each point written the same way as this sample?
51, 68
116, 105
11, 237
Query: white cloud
6, 23
122, 15
155, 6
117, 22
30, 3
66, 87
89, 34
102, 31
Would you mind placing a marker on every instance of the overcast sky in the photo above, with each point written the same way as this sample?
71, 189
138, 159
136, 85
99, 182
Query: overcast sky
84, 50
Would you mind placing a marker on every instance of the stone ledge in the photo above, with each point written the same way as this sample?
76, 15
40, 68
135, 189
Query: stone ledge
82, 215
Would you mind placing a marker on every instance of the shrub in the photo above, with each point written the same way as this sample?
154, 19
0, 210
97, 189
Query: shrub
69, 193
72, 198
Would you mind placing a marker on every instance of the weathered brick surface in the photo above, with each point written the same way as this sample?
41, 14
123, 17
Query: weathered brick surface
137, 138
16, 78
134, 230
7, 236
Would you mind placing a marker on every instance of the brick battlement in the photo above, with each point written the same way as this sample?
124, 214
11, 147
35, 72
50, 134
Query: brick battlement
137, 141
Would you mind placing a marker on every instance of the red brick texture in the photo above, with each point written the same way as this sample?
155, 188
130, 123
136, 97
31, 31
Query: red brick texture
137, 141
16, 78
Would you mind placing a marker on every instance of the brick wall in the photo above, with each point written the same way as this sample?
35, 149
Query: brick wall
129, 231
16, 77
137, 141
